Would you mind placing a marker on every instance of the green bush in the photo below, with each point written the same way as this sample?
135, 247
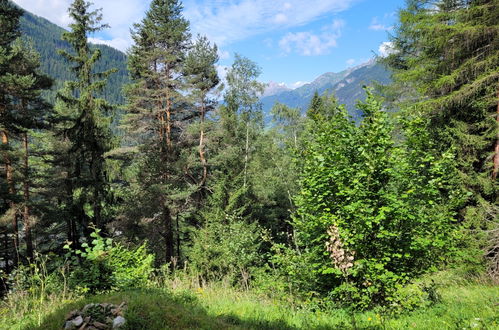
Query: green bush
373, 213
105, 266
226, 249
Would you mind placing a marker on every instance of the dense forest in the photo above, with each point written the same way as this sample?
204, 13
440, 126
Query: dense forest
200, 207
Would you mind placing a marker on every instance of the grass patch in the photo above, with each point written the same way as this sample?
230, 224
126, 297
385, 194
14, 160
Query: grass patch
470, 306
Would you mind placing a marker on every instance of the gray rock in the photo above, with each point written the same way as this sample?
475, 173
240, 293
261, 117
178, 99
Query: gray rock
77, 321
118, 322
69, 325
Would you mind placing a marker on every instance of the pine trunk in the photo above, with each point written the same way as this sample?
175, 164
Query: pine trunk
202, 155
496, 156
12, 191
169, 241
26, 213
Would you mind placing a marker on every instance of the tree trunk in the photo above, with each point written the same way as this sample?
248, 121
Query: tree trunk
26, 213
12, 191
202, 155
169, 242
169, 126
6, 251
246, 154
496, 156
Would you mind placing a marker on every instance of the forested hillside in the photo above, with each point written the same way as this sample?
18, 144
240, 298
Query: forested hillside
46, 38
202, 216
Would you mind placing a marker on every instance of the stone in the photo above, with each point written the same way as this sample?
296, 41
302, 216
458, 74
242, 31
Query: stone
71, 315
118, 322
87, 307
100, 325
69, 325
77, 321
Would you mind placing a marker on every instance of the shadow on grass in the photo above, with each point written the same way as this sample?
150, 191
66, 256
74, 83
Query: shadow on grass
155, 309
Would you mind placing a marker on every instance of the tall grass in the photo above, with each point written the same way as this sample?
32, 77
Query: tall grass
179, 300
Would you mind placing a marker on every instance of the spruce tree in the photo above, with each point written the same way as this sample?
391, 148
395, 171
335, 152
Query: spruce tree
202, 78
89, 134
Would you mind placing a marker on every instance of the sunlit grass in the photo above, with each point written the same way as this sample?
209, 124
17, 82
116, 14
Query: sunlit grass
180, 304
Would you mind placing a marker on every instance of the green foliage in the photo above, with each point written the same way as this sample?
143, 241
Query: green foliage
105, 266
46, 37
226, 249
392, 205
446, 60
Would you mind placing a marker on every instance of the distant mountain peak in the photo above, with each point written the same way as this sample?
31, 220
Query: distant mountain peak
346, 86
273, 88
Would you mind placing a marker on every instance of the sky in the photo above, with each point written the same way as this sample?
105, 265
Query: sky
293, 41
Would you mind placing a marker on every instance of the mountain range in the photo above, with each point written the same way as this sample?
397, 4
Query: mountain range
346, 85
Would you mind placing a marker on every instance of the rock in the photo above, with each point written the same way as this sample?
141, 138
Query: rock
100, 325
69, 325
71, 315
118, 322
77, 321
87, 307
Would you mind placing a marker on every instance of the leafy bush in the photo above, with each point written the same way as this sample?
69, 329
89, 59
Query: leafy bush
105, 266
226, 249
373, 214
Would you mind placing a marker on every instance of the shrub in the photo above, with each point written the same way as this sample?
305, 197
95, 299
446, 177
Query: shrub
226, 249
106, 266
374, 214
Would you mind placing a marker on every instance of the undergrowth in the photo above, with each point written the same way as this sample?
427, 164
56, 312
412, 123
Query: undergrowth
179, 302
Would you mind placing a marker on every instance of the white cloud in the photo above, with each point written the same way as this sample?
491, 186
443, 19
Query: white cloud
223, 21
118, 43
385, 49
280, 18
227, 21
308, 43
376, 25
223, 54
350, 62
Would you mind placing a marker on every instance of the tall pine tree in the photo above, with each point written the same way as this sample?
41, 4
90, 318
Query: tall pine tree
157, 113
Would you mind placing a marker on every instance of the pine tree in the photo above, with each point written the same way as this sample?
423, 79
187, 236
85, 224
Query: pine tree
22, 109
89, 134
202, 77
157, 113
9, 28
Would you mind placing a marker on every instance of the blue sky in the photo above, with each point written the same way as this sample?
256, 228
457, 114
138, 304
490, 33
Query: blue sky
293, 41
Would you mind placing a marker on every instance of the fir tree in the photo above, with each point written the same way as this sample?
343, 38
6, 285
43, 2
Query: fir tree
22, 109
89, 134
